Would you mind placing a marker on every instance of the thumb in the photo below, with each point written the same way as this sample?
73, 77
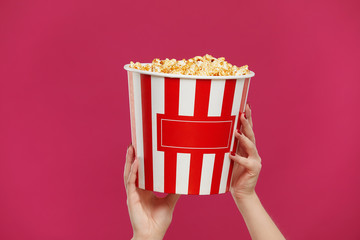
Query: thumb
130, 185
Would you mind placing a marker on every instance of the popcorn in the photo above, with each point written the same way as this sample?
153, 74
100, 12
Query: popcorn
200, 66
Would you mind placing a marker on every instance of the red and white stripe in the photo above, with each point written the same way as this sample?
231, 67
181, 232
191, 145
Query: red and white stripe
182, 131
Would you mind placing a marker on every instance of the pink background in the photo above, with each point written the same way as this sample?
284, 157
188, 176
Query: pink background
65, 125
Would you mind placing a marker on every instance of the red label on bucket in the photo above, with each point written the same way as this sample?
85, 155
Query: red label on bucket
186, 134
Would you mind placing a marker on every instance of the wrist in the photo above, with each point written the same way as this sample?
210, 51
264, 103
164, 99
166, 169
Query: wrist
243, 196
246, 200
143, 237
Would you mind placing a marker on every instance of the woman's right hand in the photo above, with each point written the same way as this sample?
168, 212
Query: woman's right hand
247, 166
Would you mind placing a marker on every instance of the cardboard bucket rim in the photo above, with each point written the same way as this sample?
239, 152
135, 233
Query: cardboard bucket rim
128, 68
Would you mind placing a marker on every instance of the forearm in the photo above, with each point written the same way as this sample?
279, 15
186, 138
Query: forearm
258, 222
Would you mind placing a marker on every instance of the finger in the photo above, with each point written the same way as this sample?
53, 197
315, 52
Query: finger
171, 199
248, 163
129, 160
246, 128
130, 184
248, 114
246, 144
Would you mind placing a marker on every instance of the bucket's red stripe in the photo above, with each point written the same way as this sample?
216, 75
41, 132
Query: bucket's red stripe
147, 129
132, 117
196, 160
228, 100
216, 177
202, 94
172, 87
238, 125
242, 104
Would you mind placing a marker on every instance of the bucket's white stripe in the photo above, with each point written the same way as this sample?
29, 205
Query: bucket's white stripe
186, 108
236, 104
157, 106
182, 173
206, 173
247, 94
237, 96
216, 97
224, 173
187, 97
234, 111
139, 128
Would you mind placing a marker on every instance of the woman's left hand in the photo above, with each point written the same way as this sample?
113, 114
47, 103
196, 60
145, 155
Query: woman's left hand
150, 216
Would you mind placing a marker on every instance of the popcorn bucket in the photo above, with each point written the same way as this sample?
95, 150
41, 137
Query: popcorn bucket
182, 129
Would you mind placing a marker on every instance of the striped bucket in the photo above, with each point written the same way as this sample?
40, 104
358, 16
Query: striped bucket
182, 129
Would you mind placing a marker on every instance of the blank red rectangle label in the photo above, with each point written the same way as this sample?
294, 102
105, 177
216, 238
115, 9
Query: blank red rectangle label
186, 134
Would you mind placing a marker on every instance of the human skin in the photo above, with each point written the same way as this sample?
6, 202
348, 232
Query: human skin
246, 170
151, 216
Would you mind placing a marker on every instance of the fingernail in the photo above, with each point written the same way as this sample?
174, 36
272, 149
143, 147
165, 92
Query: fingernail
249, 105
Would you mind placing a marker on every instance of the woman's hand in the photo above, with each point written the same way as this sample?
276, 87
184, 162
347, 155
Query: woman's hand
247, 162
247, 166
150, 216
